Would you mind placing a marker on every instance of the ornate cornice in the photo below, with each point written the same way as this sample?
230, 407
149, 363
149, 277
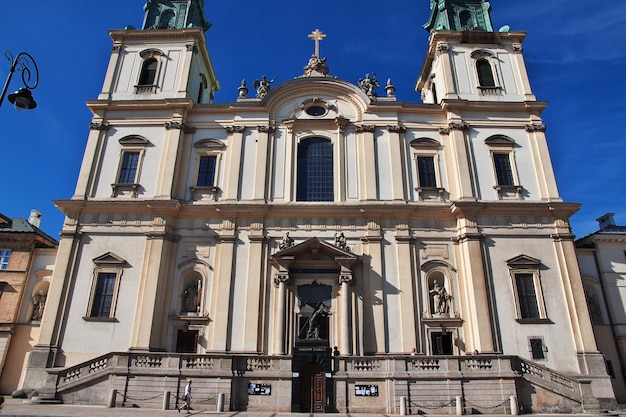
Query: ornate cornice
266, 129
174, 125
396, 129
235, 129
443, 48
99, 126
365, 128
536, 127
462, 126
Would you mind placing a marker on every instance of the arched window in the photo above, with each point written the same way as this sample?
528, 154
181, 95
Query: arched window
148, 72
485, 73
465, 18
315, 170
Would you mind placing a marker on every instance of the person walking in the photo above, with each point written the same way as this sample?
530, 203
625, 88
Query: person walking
187, 403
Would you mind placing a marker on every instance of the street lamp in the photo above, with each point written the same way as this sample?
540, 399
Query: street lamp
22, 99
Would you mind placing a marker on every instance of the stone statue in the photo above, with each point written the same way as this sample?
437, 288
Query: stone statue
369, 84
340, 242
315, 321
39, 301
594, 307
287, 242
316, 67
263, 86
191, 299
441, 299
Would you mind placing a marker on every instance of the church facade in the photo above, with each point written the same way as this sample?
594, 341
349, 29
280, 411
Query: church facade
318, 245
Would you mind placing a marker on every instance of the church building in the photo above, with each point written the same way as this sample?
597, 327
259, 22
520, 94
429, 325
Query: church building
318, 245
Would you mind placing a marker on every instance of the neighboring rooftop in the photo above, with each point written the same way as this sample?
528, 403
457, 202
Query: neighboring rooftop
23, 226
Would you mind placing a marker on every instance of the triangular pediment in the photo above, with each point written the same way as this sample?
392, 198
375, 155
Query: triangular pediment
109, 258
315, 248
524, 261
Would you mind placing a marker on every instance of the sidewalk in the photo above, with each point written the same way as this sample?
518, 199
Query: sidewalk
16, 407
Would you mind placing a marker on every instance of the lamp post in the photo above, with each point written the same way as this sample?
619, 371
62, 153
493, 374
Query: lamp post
22, 99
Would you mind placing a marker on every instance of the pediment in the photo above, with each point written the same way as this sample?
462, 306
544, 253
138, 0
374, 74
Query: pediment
314, 251
134, 140
500, 140
524, 261
109, 258
425, 143
209, 144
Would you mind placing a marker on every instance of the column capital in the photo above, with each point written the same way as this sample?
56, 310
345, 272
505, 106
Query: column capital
365, 128
535, 127
235, 129
281, 278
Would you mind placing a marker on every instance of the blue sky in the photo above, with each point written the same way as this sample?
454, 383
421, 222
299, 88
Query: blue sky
572, 51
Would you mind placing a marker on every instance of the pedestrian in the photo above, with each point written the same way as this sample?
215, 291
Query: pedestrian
187, 397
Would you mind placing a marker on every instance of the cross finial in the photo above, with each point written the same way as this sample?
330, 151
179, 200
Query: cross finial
317, 36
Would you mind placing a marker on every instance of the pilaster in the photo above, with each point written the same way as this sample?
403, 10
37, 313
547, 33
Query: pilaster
262, 161
93, 152
407, 287
396, 139
222, 288
445, 60
256, 270
233, 167
461, 166
367, 157
541, 155
374, 320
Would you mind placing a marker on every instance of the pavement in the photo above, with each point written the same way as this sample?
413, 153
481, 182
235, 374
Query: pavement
17, 408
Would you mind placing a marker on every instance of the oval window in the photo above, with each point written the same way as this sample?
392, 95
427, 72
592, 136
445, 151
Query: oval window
316, 111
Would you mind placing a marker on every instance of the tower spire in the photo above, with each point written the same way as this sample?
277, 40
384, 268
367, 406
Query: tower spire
459, 15
174, 14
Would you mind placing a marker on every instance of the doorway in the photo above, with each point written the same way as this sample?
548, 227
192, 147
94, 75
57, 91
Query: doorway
441, 343
312, 388
187, 341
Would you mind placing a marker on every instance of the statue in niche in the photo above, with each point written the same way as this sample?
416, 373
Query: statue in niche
39, 301
369, 84
190, 296
316, 67
441, 300
594, 307
341, 242
263, 86
315, 321
286, 243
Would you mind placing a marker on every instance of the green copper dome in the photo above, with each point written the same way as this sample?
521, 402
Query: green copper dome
459, 15
174, 14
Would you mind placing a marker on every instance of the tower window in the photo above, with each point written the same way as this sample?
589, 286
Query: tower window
128, 171
148, 72
426, 172
485, 73
206, 171
465, 18
504, 172
315, 170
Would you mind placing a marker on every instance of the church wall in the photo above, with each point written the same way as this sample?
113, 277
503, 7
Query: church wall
98, 337
556, 331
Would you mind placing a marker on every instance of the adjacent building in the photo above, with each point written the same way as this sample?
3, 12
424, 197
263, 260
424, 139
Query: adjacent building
289, 249
27, 256
602, 260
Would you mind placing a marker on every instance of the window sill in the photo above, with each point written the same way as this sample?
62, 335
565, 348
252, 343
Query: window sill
509, 192
145, 89
131, 190
490, 91
101, 319
205, 193
431, 194
534, 321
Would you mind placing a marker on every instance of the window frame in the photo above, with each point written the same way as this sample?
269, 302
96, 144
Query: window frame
5, 256
128, 145
206, 148
105, 264
503, 145
427, 148
148, 56
298, 159
525, 265
490, 59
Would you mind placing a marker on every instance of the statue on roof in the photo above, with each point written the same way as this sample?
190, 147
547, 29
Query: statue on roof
263, 86
316, 67
369, 84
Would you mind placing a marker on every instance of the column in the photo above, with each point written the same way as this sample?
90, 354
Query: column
91, 160
281, 280
374, 302
367, 158
397, 161
541, 156
233, 167
406, 286
109, 81
174, 132
518, 60
345, 277
253, 297
443, 52
221, 313
461, 166
260, 181
152, 285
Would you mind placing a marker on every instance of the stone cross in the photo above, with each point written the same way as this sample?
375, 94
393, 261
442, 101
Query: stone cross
317, 36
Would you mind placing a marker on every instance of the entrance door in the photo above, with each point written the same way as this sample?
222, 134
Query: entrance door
187, 341
312, 381
441, 343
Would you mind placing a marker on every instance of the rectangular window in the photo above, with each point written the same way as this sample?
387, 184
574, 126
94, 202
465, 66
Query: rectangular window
426, 172
527, 296
206, 171
128, 173
103, 295
5, 254
504, 172
536, 348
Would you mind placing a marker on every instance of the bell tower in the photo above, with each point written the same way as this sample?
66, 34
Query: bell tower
468, 60
166, 59
459, 15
